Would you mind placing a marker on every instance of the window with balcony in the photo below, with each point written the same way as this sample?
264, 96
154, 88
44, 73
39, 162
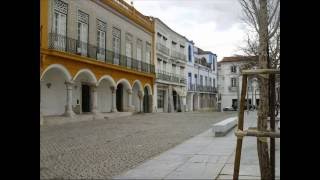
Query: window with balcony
83, 33
129, 49
196, 78
101, 39
59, 25
174, 69
206, 80
116, 44
139, 50
148, 53
210, 81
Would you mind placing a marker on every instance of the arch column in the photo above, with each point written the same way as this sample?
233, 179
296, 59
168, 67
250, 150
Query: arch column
140, 95
68, 108
41, 115
130, 106
113, 102
94, 109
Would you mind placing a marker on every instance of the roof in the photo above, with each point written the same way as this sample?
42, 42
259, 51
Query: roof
200, 52
239, 59
155, 18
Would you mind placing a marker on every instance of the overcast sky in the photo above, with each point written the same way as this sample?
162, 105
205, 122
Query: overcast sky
213, 25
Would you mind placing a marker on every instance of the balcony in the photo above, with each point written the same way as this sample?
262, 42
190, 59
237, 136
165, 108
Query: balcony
232, 88
66, 44
162, 48
162, 75
201, 88
178, 55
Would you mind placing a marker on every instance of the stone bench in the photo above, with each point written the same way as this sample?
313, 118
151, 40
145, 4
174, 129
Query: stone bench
222, 128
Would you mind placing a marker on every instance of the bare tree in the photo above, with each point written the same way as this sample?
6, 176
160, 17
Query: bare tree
263, 16
251, 46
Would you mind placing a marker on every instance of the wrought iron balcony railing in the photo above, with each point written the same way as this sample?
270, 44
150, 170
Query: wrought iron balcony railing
162, 48
178, 55
162, 75
74, 46
202, 88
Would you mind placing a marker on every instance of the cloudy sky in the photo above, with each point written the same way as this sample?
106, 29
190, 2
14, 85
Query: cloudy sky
214, 25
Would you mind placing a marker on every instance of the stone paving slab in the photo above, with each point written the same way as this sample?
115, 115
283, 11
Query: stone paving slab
205, 157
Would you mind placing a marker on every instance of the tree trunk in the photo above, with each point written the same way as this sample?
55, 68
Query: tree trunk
262, 142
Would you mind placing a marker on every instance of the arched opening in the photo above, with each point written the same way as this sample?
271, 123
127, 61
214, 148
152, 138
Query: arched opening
82, 93
195, 102
53, 93
119, 97
146, 100
135, 96
104, 95
123, 103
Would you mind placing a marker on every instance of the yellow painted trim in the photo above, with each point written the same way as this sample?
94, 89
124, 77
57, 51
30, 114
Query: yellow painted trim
131, 13
44, 23
92, 61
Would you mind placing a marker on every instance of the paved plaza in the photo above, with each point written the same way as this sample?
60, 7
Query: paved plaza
102, 149
205, 157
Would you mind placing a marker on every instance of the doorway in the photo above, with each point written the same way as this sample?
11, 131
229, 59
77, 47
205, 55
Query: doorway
174, 94
119, 95
85, 98
146, 101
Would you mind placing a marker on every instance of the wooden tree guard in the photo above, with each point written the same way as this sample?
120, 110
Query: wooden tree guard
240, 133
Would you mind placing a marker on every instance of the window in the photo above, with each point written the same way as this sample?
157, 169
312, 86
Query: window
196, 78
139, 50
148, 53
190, 80
116, 44
182, 71
164, 66
201, 80
101, 39
59, 25
129, 49
214, 82
210, 81
233, 82
189, 54
160, 98
159, 65
83, 33
234, 69
213, 64
174, 69
206, 80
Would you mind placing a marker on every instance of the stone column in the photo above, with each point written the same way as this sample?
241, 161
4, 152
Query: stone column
130, 106
41, 115
113, 99
170, 100
165, 101
94, 108
191, 102
140, 95
68, 108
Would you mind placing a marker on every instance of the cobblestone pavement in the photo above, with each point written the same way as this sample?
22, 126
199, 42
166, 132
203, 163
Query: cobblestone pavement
101, 149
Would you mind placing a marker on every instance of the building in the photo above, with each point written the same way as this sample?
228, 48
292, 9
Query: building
229, 78
201, 78
170, 84
95, 57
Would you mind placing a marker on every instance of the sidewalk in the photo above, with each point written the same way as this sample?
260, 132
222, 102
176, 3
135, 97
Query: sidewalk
205, 157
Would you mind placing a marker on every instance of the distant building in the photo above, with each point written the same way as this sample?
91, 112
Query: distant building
202, 79
229, 78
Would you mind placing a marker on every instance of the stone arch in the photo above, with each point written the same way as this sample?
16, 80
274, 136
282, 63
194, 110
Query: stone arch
88, 72
137, 95
123, 90
59, 67
104, 91
108, 78
53, 93
148, 86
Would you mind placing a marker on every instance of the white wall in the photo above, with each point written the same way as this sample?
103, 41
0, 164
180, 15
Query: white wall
104, 96
53, 99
